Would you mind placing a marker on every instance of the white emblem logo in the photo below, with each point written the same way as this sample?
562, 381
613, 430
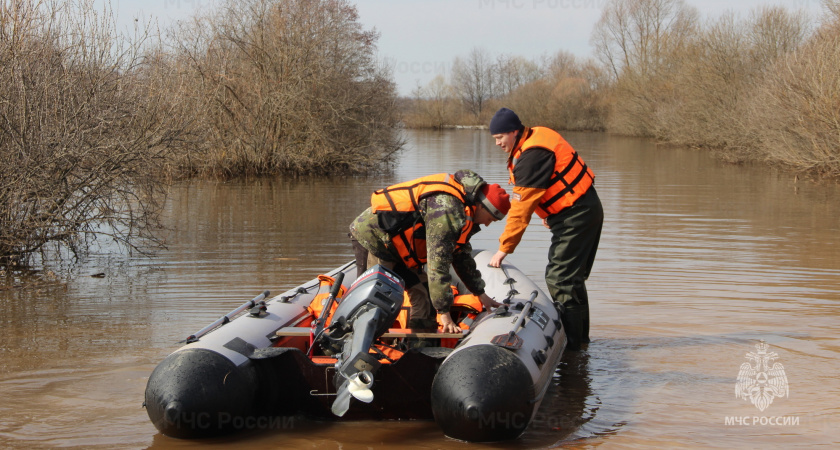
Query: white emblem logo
761, 383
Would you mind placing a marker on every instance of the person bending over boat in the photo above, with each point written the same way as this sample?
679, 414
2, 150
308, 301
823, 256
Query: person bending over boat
551, 179
427, 224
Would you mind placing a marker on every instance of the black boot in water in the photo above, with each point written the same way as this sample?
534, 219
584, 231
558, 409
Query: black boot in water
575, 320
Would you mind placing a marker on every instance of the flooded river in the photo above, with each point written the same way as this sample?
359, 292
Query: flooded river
699, 264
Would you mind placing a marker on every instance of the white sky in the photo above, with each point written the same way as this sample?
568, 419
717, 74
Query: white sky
421, 38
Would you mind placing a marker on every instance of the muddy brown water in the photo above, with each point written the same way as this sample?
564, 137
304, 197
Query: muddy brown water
699, 263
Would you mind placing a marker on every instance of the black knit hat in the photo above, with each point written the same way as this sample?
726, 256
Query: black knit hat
505, 121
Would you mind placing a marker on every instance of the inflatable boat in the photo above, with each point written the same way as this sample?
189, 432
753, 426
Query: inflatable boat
337, 347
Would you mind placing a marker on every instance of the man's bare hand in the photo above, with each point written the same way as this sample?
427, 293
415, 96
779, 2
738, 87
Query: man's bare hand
496, 260
488, 302
448, 324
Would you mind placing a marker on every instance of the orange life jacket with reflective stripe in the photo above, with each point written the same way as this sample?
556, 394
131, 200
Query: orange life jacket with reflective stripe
397, 209
571, 178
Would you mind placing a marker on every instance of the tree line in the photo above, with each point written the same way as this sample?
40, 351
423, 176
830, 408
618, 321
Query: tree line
759, 88
94, 122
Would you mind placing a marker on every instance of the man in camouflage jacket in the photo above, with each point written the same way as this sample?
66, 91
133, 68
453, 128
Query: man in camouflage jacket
444, 218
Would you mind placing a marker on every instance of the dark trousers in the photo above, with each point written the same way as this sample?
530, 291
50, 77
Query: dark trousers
575, 233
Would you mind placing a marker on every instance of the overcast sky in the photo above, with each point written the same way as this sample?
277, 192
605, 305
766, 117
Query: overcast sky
420, 39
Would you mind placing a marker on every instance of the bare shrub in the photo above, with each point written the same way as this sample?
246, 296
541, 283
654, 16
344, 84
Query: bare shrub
690, 84
796, 112
435, 105
569, 95
717, 77
84, 134
531, 102
286, 86
713, 76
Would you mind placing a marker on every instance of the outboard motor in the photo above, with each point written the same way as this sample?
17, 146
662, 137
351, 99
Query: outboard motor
366, 312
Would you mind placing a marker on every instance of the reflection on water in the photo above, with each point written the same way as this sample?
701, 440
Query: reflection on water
698, 262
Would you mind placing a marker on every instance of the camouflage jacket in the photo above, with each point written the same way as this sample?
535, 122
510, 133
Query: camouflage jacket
444, 218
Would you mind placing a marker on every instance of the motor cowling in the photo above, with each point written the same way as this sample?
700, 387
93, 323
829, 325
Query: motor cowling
377, 287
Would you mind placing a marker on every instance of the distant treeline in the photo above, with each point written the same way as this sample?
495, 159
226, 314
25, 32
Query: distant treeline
761, 88
95, 121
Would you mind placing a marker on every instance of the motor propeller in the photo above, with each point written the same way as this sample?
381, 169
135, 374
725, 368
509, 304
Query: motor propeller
358, 387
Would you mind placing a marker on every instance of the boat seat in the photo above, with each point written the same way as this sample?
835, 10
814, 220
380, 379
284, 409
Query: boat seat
391, 333
409, 333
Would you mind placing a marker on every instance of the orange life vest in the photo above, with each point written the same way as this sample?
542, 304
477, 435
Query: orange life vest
465, 309
319, 301
397, 209
571, 178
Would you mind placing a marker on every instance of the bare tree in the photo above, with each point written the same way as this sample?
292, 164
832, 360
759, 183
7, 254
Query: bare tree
512, 72
638, 36
773, 33
473, 80
84, 131
833, 9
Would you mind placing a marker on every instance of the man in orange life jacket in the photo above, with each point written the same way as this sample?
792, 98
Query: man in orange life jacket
427, 223
551, 179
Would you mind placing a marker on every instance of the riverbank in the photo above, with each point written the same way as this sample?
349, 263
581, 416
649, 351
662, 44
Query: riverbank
756, 89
